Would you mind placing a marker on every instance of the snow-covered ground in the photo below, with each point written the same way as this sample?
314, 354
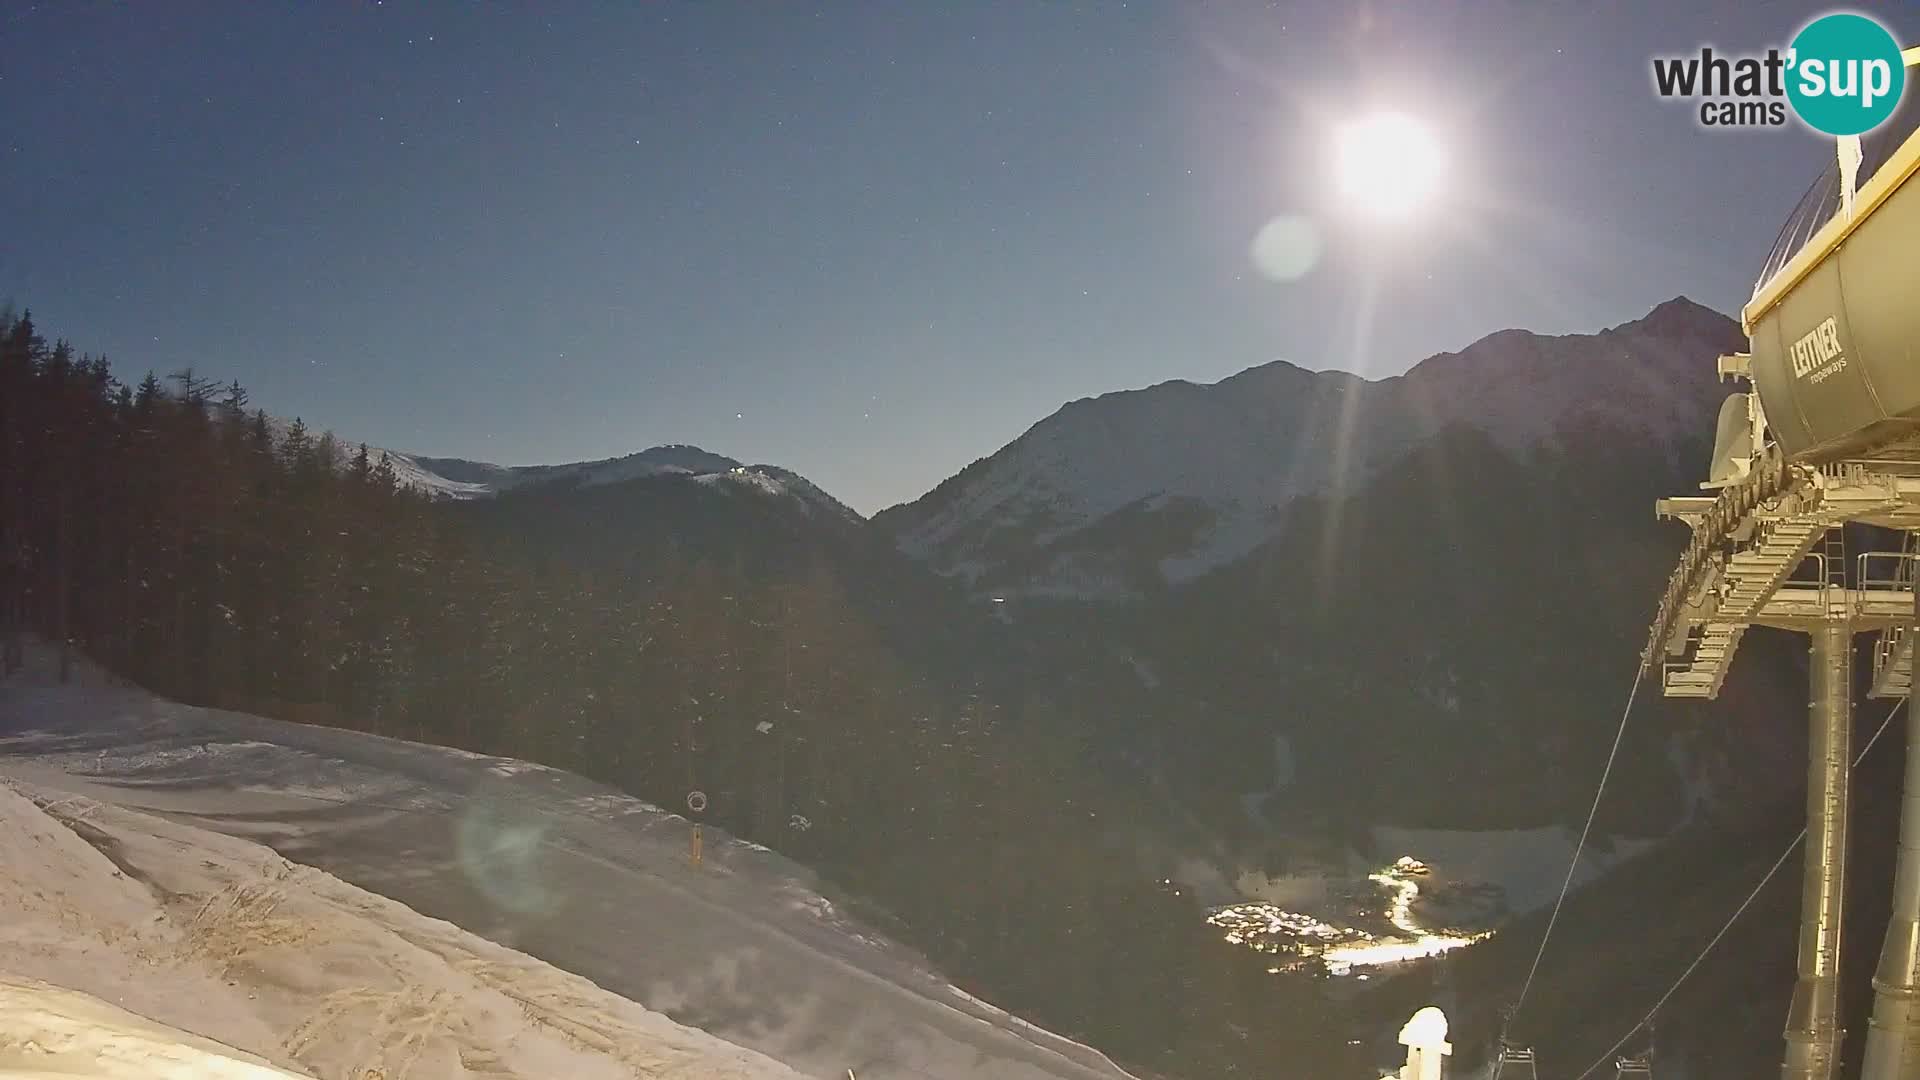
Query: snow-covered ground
218, 872
48, 1031
221, 937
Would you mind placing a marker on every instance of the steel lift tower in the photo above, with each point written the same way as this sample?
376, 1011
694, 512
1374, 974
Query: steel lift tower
1826, 435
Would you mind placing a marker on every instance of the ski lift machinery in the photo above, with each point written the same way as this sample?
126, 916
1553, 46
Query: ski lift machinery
1833, 323
1829, 435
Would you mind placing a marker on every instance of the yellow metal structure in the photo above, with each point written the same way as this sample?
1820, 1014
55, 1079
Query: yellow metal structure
1829, 438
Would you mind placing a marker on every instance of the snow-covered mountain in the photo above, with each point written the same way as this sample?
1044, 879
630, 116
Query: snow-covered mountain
459, 478
462, 479
1159, 485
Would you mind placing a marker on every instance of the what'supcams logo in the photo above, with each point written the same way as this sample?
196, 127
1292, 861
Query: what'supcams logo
1842, 75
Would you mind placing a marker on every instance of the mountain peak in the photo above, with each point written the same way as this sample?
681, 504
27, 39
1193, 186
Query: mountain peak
1144, 488
1679, 317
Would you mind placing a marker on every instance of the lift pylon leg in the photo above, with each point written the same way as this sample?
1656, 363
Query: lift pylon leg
1893, 1035
1813, 1023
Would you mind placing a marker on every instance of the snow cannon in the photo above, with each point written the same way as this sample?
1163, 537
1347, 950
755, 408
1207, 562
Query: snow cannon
1834, 323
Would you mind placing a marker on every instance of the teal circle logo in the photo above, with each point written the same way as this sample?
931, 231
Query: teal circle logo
1844, 74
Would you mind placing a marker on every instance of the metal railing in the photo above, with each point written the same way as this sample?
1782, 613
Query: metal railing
1893, 642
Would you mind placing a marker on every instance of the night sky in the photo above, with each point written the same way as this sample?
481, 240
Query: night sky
867, 241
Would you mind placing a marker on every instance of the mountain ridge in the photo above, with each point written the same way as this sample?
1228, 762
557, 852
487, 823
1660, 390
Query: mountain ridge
1019, 521
462, 478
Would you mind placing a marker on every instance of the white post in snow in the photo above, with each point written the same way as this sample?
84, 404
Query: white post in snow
1425, 1037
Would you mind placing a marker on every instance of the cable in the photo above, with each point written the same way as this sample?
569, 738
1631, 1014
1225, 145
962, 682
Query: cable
1739, 911
1573, 864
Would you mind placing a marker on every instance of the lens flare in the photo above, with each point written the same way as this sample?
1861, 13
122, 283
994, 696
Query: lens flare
1286, 248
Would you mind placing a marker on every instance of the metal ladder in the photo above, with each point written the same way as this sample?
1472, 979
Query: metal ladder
1893, 651
1833, 547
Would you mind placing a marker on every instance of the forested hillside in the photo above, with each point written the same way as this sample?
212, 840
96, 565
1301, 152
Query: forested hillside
168, 531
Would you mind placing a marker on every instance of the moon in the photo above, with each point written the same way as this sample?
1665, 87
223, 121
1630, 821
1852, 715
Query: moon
1388, 165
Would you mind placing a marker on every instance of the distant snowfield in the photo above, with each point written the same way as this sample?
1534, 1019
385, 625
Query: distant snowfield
1523, 868
230, 876
459, 479
428, 476
1528, 866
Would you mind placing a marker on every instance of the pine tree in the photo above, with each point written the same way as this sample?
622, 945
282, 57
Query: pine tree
19, 347
326, 452
148, 394
383, 477
194, 390
296, 449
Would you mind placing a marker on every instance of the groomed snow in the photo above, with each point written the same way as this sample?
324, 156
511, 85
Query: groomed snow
223, 938
230, 875
48, 1032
